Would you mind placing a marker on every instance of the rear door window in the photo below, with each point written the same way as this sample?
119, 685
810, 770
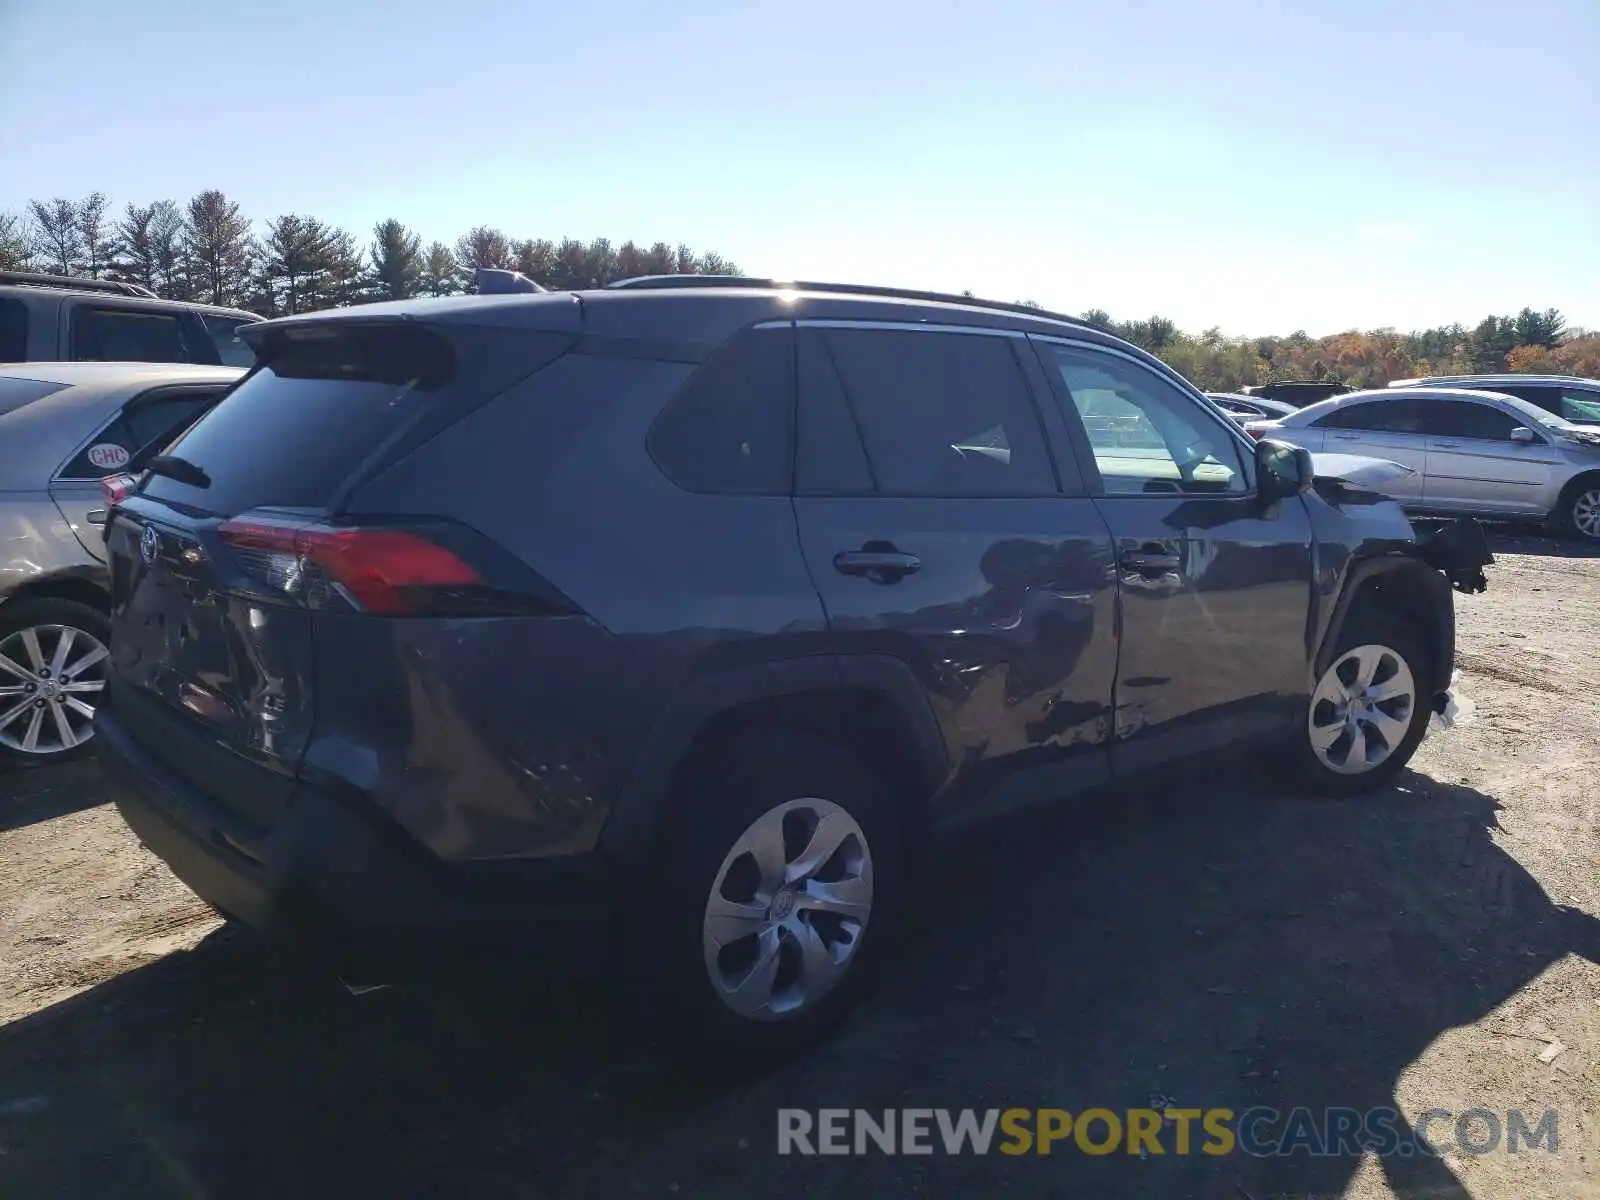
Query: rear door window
13, 330
731, 429
942, 414
1401, 415
144, 427
1580, 407
109, 334
294, 431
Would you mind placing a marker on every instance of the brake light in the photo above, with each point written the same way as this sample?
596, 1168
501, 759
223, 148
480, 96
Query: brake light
1257, 434
117, 488
383, 571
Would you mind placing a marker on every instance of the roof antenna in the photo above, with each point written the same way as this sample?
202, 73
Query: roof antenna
494, 281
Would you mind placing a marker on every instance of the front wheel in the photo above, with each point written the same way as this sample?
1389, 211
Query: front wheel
1580, 511
1369, 710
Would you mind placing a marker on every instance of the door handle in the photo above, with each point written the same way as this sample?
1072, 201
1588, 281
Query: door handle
1152, 559
95, 516
1448, 445
879, 565
1347, 437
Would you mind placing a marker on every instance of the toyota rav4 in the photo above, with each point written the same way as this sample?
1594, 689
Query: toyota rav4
691, 607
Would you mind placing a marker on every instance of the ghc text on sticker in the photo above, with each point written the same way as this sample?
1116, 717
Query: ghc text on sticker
1261, 1132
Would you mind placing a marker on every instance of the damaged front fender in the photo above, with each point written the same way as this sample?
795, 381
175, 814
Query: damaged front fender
1459, 549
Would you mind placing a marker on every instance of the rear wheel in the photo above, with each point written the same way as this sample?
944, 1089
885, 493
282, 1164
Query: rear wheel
53, 660
1370, 707
778, 888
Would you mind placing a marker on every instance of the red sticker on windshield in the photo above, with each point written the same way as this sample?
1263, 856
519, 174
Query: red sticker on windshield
108, 456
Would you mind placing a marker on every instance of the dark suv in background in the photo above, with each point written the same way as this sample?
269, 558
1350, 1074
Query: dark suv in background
694, 606
64, 318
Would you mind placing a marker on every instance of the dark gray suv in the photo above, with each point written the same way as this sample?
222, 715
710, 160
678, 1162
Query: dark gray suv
691, 607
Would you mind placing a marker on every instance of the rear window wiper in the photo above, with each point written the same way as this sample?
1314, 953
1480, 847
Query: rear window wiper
179, 469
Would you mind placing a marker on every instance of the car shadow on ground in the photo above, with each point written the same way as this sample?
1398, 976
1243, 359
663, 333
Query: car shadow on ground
1220, 945
1535, 540
30, 794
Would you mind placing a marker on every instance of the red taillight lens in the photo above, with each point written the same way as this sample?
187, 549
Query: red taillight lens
1258, 434
379, 570
117, 488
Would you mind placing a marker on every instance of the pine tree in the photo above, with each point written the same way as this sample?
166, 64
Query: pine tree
15, 253
440, 271
217, 239
294, 256
396, 261
54, 237
96, 236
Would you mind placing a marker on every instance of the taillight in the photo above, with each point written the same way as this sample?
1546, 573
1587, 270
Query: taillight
1258, 434
117, 488
392, 572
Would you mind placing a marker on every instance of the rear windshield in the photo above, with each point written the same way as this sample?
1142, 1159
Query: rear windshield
296, 430
14, 393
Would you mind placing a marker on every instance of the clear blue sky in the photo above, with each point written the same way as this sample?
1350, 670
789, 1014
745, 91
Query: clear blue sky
1262, 165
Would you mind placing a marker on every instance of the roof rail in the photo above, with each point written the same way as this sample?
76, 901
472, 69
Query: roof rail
77, 283
649, 282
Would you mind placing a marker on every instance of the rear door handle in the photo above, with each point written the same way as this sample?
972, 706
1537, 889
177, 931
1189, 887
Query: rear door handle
1153, 560
880, 566
1447, 445
95, 516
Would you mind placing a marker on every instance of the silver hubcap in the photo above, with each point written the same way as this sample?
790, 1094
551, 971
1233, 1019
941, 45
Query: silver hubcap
51, 677
788, 908
1362, 709
1586, 514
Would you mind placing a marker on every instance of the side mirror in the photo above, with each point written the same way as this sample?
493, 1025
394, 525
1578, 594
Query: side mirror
1282, 470
1522, 434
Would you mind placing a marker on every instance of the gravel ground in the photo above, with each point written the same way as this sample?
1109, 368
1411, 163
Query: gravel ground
1218, 943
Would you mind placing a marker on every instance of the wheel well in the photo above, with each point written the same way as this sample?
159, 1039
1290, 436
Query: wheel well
1405, 593
65, 587
1587, 479
867, 722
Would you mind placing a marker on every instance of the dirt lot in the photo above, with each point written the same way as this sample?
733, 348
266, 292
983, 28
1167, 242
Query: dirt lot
1222, 944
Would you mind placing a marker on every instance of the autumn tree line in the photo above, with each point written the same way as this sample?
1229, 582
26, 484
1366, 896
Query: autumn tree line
208, 250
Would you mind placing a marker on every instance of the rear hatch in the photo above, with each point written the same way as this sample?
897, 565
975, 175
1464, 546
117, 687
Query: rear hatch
221, 566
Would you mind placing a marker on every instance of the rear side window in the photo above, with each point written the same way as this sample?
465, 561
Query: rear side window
16, 393
294, 431
127, 335
942, 414
830, 460
142, 429
731, 429
13, 330
232, 350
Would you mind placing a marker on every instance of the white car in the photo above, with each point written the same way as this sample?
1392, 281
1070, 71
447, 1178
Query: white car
1470, 453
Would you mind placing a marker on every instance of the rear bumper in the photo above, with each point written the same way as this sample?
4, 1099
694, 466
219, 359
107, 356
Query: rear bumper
344, 884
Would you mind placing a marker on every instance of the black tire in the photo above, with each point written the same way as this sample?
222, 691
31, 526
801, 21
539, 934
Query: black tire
1584, 491
722, 797
46, 612
1405, 643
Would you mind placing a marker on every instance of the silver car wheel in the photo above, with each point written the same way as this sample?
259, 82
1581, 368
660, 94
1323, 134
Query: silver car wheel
51, 677
1361, 710
788, 909
1586, 513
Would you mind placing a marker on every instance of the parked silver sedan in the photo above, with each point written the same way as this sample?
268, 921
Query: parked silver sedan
1470, 453
63, 427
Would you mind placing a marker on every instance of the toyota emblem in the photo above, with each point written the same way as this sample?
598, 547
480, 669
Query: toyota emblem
149, 544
